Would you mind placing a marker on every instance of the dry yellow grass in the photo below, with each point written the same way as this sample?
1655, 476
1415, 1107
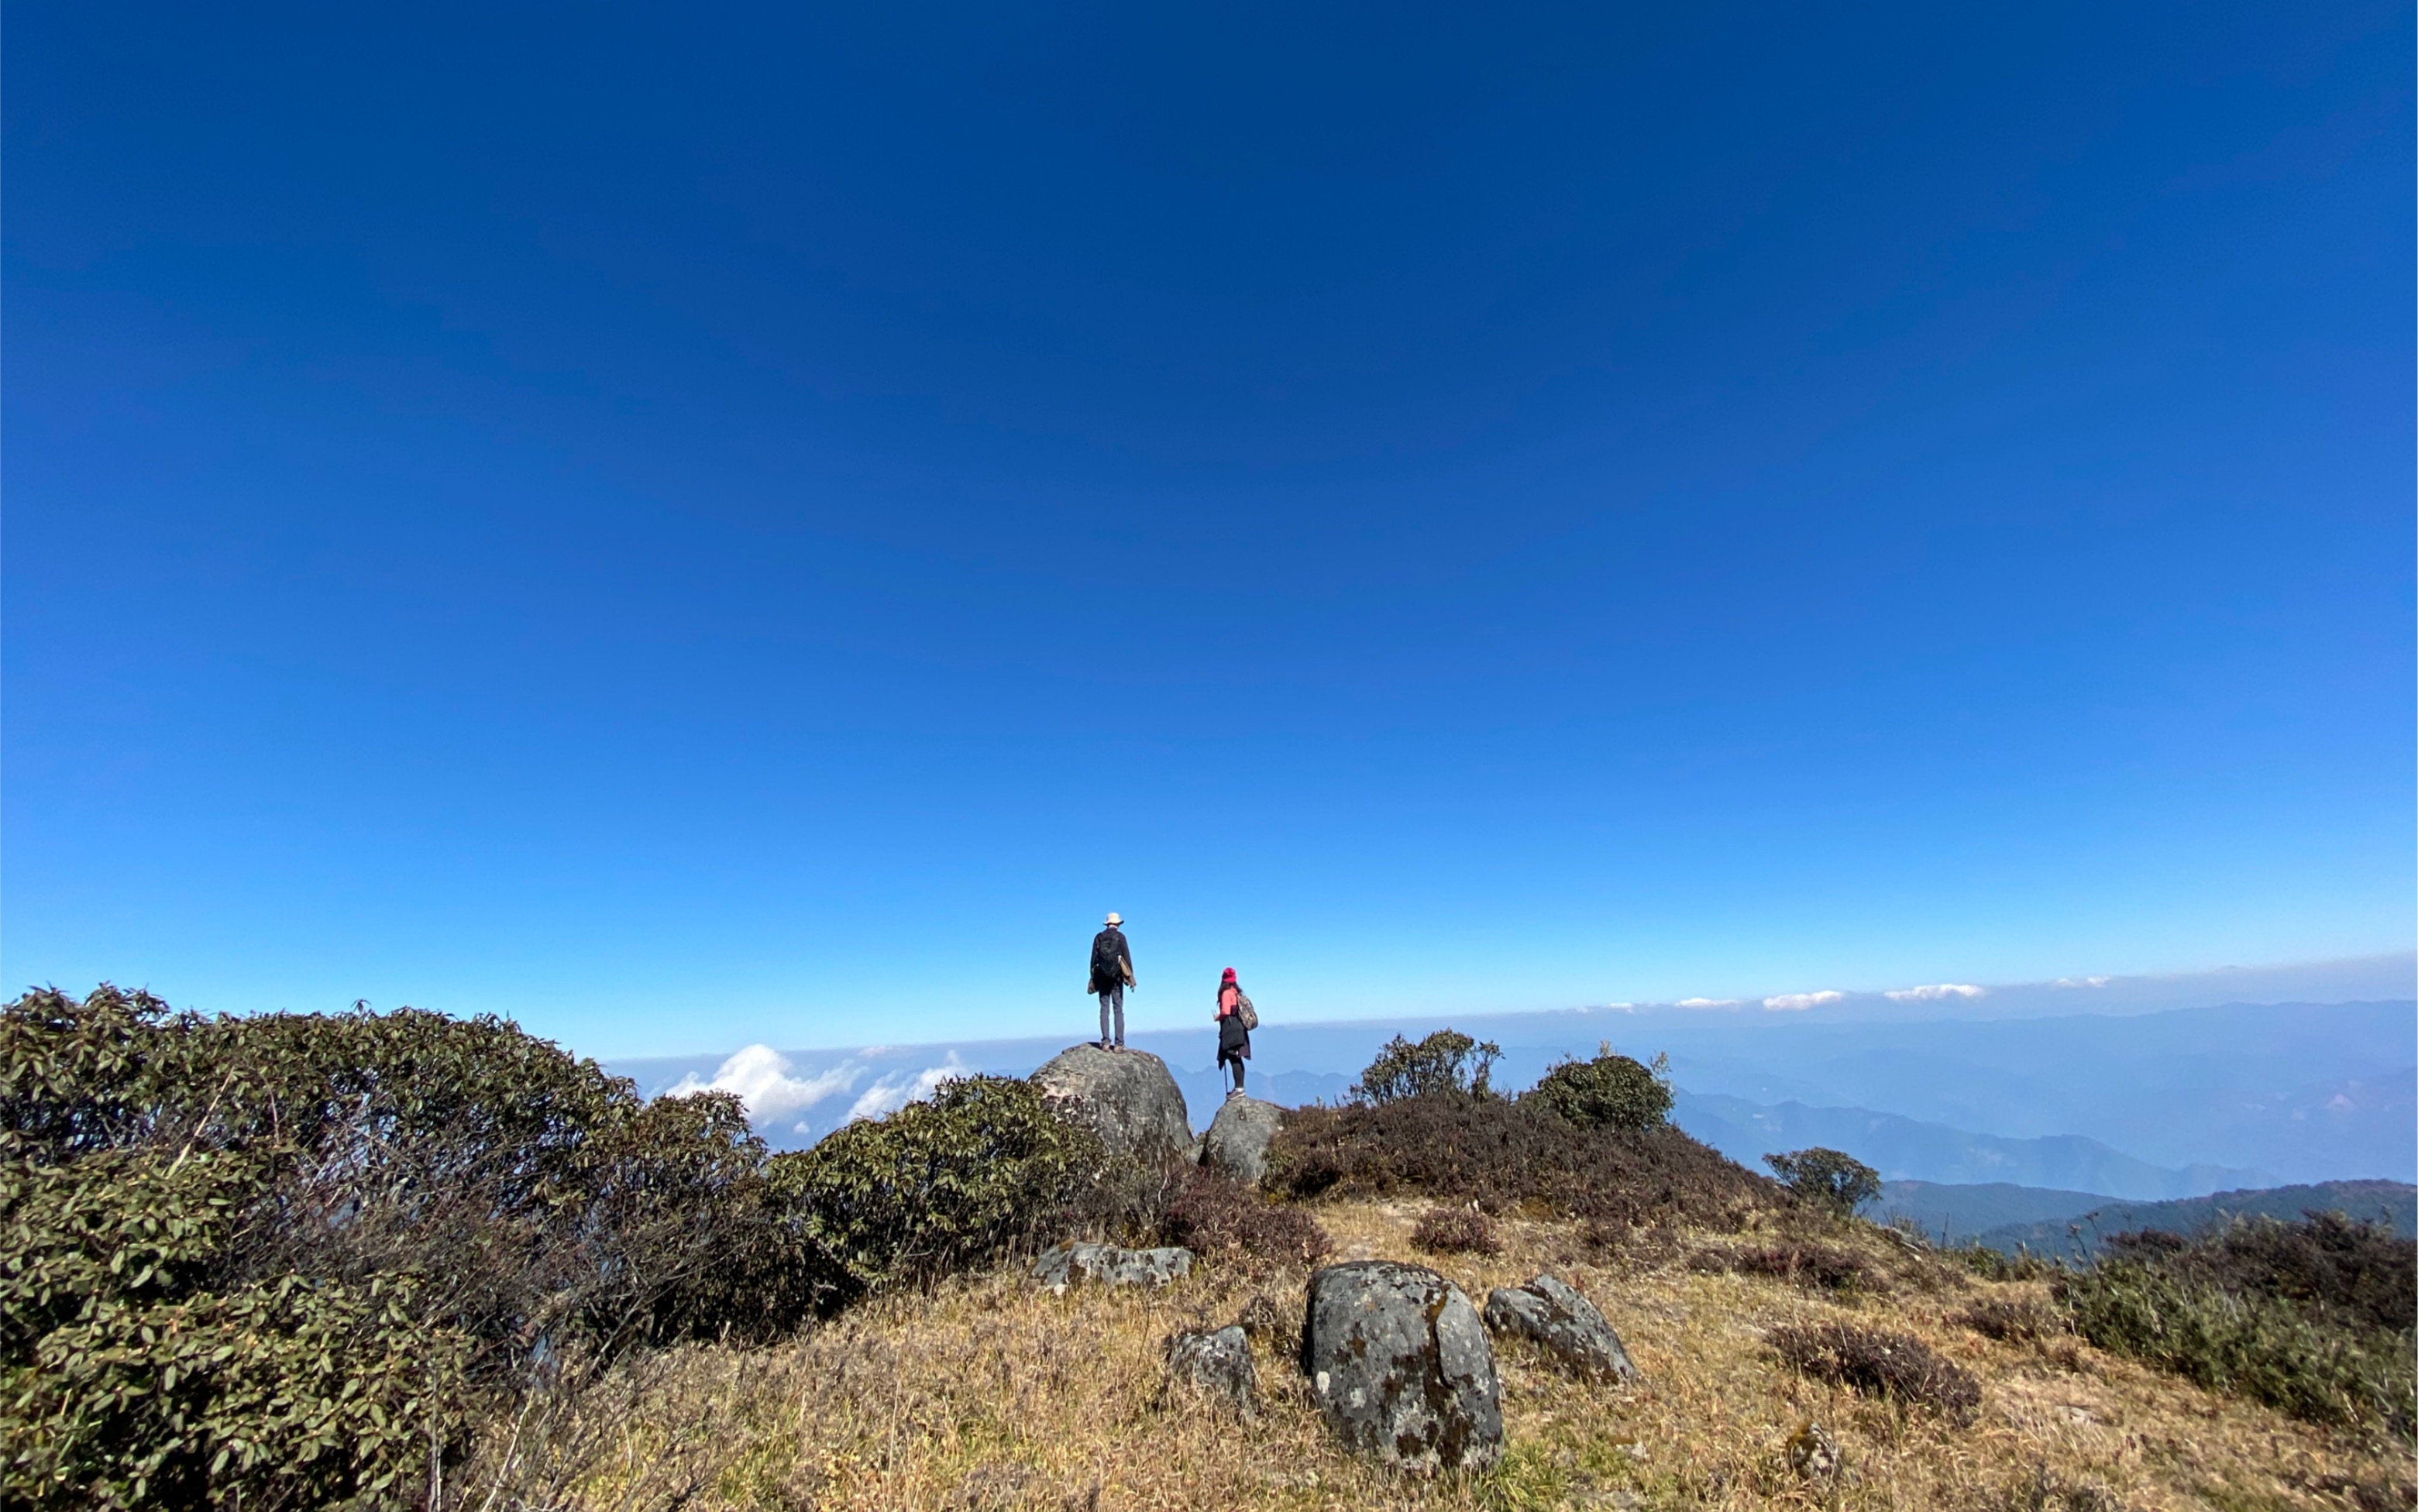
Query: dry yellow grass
993, 1393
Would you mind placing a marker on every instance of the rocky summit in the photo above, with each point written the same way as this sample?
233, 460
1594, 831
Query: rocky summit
1238, 1138
1128, 1097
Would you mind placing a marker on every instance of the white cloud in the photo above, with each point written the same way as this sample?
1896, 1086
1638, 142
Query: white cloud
1708, 1003
760, 1076
1935, 992
893, 1092
1789, 1002
2068, 983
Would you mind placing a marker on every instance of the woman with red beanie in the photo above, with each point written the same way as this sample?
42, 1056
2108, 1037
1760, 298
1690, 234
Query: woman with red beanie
1236, 1018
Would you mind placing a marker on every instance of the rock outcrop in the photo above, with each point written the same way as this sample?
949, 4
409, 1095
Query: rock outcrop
1549, 1310
1237, 1142
1107, 1266
1217, 1362
1127, 1096
1401, 1368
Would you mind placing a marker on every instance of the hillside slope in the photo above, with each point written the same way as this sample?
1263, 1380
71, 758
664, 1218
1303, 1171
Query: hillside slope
991, 1393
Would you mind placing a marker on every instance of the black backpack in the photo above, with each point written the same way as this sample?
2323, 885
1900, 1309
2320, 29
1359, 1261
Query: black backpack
1108, 961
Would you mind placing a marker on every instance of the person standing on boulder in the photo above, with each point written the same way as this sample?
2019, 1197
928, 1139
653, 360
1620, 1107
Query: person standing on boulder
1236, 1018
1112, 974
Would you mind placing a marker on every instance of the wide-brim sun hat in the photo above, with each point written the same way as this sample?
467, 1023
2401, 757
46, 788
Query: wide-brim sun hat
1113, 919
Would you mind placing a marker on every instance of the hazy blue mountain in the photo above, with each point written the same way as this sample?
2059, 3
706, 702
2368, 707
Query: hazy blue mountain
2306, 1091
1956, 1212
2077, 1236
1905, 1149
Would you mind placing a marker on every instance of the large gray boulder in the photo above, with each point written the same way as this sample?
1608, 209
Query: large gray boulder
1551, 1311
1401, 1367
1218, 1363
1237, 1142
1068, 1264
1127, 1096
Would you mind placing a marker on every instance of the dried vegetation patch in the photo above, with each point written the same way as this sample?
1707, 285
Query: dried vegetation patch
1223, 1219
1511, 1155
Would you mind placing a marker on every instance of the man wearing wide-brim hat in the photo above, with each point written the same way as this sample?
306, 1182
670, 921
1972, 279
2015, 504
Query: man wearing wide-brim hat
1112, 974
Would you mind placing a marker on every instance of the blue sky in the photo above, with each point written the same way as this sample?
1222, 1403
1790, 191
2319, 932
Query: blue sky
691, 528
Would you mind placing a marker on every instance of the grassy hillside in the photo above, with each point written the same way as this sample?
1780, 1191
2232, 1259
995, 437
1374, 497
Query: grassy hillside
989, 1393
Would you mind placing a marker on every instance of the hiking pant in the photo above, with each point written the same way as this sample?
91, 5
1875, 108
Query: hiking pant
1114, 999
1225, 1060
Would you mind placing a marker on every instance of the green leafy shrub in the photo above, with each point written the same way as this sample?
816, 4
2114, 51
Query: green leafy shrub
2357, 1274
983, 1167
1830, 1179
287, 1260
1512, 1154
2310, 1317
1447, 1063
1896, 1367
1999, 1265
1611, 1092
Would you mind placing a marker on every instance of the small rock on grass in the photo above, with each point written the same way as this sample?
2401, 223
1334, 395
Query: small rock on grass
1218, 1363
1401, 1367
1553, 1313
1107, 1266
1812, 1453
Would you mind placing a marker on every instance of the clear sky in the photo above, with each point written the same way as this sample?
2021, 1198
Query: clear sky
690, 525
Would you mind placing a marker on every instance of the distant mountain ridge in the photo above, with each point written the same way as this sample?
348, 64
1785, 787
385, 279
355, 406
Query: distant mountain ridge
1953, 1212
2079, 1236
1901, 1148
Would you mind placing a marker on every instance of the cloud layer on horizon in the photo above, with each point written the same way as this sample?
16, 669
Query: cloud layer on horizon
760, 1076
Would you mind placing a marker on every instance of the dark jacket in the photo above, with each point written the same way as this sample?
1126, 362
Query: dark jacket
1107, 945
1232, 1039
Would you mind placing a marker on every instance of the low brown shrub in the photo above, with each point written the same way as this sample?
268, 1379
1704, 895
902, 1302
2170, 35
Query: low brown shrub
1814, 1266
1456, 1230
2014, 1320
1210, 1214
1896, 1367
1514, 1155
